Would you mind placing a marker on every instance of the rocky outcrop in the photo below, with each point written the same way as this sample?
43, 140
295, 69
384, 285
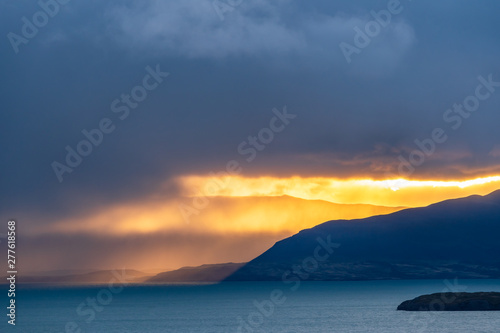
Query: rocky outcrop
482, 301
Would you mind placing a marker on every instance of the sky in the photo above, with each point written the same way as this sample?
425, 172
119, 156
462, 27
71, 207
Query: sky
200, 124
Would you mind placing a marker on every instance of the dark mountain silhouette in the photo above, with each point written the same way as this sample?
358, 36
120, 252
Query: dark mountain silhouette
453, 238
204, 273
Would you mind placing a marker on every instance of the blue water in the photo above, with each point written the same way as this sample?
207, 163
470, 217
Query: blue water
314, 307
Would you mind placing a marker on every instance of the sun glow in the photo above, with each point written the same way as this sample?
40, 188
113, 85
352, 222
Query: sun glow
396, 184
238, 205
389, 192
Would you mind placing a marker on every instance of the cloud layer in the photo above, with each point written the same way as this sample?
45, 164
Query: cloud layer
354, 120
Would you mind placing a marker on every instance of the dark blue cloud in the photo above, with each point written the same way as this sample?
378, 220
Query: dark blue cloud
225, 78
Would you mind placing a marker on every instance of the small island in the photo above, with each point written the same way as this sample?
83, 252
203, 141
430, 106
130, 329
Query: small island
480, 301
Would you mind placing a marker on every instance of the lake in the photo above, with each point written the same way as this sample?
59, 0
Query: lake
368, 306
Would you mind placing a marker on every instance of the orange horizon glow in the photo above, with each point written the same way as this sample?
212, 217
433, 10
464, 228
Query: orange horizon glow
389, 192
238, 205
256, 212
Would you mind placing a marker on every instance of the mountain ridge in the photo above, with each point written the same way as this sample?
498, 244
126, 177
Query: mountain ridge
452, 238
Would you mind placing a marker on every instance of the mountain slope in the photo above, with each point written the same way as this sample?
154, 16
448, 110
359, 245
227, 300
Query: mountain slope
204, 273
454, 238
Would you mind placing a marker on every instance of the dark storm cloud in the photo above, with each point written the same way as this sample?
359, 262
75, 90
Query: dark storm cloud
225, 78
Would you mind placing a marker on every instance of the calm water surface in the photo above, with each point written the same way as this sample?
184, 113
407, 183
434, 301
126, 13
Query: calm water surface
246, 307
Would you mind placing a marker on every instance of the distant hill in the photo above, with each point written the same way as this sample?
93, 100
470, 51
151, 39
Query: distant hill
300, 206
204, 273
453, 238
281, 212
